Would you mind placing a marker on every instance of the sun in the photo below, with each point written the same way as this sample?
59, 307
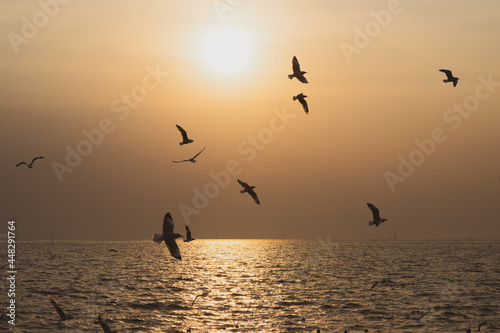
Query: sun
226, 50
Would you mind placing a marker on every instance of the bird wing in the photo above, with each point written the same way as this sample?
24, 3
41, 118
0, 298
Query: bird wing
21, 163
104, 326
254, 196
304, 104
448, 73
183, 133
245, 185
295, 66
60, 311
194, 300
375, 212
374, 285
195, 156
301, 78
36, 158
180, 161
168, 224
172, 247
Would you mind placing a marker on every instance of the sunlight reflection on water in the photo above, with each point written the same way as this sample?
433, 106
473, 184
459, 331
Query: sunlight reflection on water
258, 286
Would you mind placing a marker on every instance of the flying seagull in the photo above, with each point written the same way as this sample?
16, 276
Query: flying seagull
200, 295
188, 235
449, 77
105, 326
383, 281
249, 189
60, 312
302, 99
297, 72
376, 216
169, 236
192, 159
482, 324
31, 164
112, 250
185, 139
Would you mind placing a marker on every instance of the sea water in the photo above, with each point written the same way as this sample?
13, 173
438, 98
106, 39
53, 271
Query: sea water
256, 286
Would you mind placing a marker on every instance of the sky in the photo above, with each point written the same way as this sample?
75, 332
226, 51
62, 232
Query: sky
98, 87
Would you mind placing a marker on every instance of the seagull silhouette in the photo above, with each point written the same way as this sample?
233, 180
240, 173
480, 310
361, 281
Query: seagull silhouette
188, 235
297, 73
249, 189
185, 139
376, 216
192, 159
32, 161
383, 281
301, 97
200, 295
169, 237
105, 327
483, 324
449, 77
60, 312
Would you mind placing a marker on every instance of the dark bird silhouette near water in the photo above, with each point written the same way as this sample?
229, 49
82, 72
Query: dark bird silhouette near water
112, 250
383, 281
105, 327
192, 159
32, 161
185, 139
484, 323
449, 77
249, 189
301, 97
188, 235
376, 216
297, 73
169, 237
60, 312
200, 295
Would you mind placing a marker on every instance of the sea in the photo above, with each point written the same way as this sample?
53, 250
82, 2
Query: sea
224, 285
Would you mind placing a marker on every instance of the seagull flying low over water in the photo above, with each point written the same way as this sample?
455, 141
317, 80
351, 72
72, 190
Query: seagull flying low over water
31, 164
449, 77
169, 237
185, 139
200, 295
383, 281
301, 97
297, 72
376, 216
192, 159
249, 189
105, 326
60, 312
482, 324
188, 235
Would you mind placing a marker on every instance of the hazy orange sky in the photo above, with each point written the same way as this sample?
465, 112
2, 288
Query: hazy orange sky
97, 88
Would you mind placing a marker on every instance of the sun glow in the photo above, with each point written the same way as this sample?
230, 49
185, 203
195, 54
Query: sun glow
226, 50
